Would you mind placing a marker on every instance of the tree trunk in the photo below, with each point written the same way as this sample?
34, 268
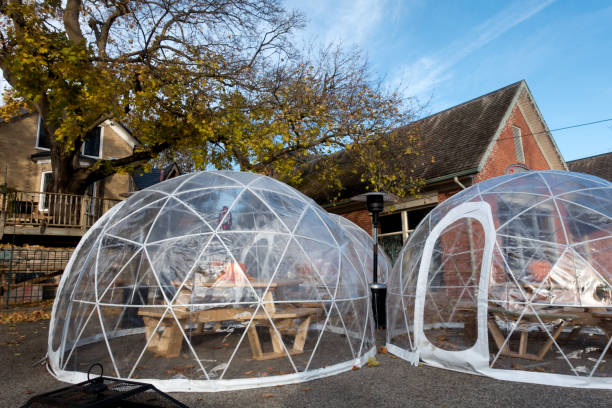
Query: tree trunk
68, 177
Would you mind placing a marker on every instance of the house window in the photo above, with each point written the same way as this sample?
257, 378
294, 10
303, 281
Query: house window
42, 138
46, 181
518, 144
92, 146
395, 228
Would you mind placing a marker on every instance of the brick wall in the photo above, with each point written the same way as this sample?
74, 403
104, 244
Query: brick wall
361, 218
17, 143
115, 147
445, 195
504, 153
462, 245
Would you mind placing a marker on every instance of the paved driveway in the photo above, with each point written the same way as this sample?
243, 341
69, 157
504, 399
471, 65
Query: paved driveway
393, 384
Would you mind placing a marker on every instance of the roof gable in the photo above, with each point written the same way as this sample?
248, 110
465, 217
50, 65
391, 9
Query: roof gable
120, 129
456, 140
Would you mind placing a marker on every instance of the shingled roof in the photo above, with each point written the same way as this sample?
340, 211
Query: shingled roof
600, 165
458, 137
453, 141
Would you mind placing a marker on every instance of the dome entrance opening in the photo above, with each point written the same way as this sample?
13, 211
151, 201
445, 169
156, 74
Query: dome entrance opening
449, 320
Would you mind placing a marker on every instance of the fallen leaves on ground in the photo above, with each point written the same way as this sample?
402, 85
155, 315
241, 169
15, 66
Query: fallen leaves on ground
373, 362
267, 395
355, 368
383, 350
180, 369
306, 388
24, 316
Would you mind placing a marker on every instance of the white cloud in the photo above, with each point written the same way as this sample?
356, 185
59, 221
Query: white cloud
428, 71
345, 21
356, 20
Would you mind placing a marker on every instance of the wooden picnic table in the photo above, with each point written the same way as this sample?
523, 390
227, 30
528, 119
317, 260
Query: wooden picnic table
558, 317
288, 319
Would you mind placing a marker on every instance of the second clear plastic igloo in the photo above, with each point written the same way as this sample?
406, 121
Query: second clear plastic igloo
362, 246
213, 281
511, 278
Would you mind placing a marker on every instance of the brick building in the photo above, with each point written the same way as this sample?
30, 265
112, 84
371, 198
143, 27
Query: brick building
463, 145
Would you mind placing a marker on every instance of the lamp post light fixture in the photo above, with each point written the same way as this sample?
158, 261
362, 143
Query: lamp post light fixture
375, 203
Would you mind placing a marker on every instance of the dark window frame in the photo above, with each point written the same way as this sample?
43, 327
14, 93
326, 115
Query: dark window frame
41, 131
97, 134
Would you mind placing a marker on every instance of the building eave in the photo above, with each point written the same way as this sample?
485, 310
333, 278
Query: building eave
451, 176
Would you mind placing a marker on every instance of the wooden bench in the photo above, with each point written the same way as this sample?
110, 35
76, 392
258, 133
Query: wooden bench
289, 320
285, 322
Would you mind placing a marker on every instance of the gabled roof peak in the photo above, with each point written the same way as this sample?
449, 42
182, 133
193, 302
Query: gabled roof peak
488, 94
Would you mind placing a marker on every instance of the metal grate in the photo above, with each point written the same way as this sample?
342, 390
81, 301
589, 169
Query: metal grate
104, 392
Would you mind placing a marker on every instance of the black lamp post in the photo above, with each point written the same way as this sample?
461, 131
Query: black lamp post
375, 203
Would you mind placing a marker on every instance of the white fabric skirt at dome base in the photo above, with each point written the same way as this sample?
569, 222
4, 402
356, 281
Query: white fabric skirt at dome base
186, 385
507, 375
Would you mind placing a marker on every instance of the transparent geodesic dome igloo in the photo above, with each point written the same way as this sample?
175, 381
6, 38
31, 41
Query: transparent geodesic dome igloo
362, 245
511, 278
213, 281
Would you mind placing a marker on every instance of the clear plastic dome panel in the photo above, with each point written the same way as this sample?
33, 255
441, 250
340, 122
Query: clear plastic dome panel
527, 288
212, 281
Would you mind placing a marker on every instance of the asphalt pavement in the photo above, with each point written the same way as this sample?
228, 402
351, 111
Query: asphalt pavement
395, 383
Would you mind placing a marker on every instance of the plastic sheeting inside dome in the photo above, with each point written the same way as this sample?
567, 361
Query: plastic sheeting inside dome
213, 281
511, 278
363, 248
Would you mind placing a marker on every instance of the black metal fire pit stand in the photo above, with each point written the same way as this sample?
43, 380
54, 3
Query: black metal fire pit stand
100, 392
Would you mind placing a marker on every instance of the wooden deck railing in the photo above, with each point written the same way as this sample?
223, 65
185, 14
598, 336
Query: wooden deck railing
31, 209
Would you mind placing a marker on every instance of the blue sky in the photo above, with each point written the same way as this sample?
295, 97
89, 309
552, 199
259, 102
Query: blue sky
447, 52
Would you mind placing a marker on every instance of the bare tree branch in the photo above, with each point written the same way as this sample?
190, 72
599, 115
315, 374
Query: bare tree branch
71, 21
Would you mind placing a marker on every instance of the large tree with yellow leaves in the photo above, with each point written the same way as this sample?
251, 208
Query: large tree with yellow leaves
216, 81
